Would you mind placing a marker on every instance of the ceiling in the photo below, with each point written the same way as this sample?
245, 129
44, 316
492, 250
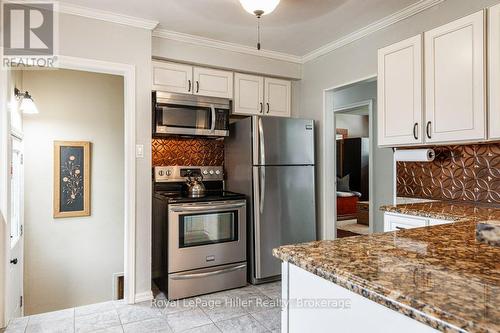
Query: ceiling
296, 27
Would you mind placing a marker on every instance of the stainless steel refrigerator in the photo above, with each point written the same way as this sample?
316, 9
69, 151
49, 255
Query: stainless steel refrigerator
271, 160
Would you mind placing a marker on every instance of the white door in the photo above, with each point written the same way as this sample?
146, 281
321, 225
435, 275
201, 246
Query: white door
248, 94
277, 97
172, 77
494, 71
454, 81
400, 93
213, 82
15, 228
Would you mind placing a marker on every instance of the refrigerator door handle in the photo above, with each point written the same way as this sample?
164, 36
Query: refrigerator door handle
262, 186
256, 221
212, 128
261, 143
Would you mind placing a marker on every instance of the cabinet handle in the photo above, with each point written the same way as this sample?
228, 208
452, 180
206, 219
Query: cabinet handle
268, 108
400, 228
261, 107
189, 85
415, 133
428, 130
197, 86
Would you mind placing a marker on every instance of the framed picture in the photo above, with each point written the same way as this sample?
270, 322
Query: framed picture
71, 178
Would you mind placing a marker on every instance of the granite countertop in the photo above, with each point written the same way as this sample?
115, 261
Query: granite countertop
440, 275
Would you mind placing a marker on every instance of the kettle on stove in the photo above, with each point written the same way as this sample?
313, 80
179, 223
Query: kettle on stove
195, 187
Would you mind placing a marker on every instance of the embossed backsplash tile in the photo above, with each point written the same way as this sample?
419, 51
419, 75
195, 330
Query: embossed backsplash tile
465, 173
186, 151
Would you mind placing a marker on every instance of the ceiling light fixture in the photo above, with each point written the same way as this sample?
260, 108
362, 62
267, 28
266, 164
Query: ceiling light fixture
27, 105
259, 8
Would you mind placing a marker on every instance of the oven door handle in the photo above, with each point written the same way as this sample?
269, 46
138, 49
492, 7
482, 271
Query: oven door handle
212, 128
206, 274
206, 208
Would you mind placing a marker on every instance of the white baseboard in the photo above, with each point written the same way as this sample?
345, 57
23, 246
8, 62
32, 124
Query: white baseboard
144, 297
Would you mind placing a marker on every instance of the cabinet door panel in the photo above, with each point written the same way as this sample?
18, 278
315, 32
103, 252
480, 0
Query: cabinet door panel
494, 72
277, 95
248, 94
394, 222
213, 82
172, 77
400, 93
454, 81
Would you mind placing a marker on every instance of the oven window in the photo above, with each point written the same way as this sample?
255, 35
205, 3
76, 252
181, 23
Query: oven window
203, 229
185, 117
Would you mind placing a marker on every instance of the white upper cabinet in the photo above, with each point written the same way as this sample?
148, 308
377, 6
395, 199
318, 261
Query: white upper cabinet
277, 97
212, 82
400, 93
248, 94
494, 72
172, 77
454, 81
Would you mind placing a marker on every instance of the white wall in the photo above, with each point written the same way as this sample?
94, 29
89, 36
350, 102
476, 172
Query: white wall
358, 60
70, 262
95, 39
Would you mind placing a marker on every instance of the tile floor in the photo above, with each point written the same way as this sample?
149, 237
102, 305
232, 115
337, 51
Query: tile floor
248, 309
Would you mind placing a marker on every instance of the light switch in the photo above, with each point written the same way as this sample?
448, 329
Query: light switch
139, 151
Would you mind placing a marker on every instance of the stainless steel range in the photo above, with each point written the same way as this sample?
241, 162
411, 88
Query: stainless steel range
199, 242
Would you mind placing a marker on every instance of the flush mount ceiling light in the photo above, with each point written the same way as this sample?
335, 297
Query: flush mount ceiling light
259, 8
27, 105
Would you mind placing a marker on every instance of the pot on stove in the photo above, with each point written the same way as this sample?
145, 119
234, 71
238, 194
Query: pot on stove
195, 187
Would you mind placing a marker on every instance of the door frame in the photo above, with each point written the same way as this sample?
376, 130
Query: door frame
329, 192
366, 103
127, 71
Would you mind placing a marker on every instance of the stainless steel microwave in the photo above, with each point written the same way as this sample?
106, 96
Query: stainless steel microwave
190, 115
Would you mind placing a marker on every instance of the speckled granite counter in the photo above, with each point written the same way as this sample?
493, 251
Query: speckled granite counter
441, 275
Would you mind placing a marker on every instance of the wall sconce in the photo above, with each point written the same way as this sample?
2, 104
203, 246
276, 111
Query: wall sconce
27, 105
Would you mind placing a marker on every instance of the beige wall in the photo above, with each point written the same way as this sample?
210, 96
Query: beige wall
357, 125
88, 38
209, 56
70, 262
358, 60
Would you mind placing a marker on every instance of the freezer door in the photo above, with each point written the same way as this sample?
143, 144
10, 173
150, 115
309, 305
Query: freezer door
282, 141
284, 212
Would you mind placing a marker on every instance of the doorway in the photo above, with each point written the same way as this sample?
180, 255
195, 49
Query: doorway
357, 98
353, 157
127, 73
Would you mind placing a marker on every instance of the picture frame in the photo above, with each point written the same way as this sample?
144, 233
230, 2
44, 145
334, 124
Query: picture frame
71, 178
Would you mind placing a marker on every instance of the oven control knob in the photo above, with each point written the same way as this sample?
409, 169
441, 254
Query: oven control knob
169, 172
217, 172
205, 172
211, 172
160, 173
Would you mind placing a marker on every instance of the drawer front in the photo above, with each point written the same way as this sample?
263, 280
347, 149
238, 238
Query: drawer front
438, 222
401, 222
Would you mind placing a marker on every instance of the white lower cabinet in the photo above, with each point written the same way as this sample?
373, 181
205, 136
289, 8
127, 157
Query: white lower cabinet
305, 309
395, 222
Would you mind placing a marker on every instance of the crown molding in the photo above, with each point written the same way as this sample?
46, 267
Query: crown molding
107, 16
371, 28
228, 46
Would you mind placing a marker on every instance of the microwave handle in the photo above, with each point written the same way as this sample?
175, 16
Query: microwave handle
212, 128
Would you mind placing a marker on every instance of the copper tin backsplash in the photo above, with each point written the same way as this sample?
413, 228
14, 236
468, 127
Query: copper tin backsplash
460, 173
186, 151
